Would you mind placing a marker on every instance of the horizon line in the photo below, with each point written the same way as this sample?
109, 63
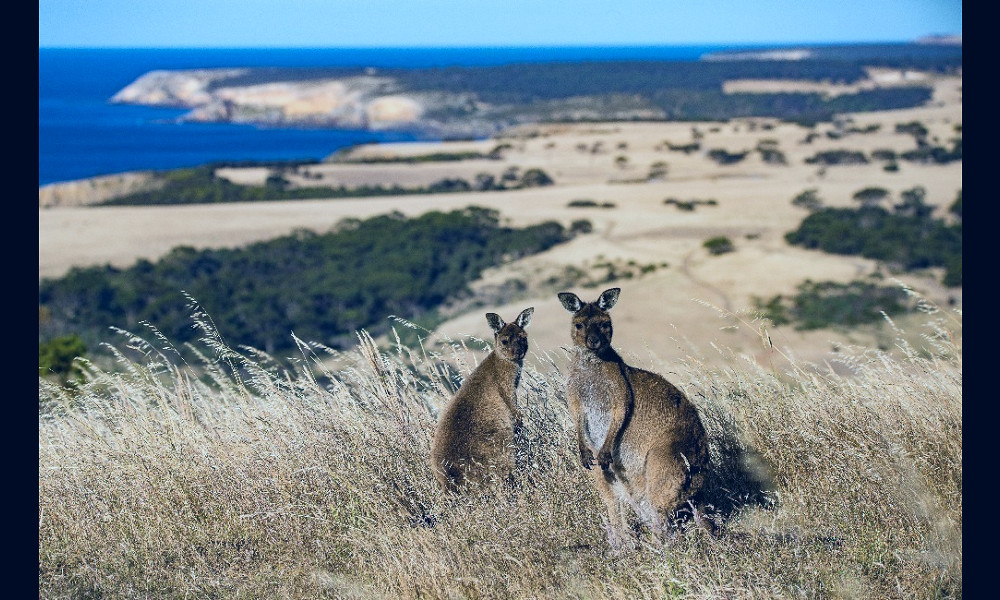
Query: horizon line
922, 40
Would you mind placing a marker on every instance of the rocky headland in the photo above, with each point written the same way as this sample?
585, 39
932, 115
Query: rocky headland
353, 102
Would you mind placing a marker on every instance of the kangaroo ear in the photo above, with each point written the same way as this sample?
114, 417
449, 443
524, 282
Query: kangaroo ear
524, 319
496, 323
570, 301
608, 298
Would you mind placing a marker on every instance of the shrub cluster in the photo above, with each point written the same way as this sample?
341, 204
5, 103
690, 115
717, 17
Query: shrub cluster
56, 357
724, 157
690, 205
200, 185
838, 157
820, 304
908, 236
935, 154
495, 154
588, 203
321, 286
719, 245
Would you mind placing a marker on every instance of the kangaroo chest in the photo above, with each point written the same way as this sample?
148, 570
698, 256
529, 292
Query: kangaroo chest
599, 388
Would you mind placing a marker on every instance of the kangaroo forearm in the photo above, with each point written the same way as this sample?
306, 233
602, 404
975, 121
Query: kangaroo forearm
614, 433
620, 416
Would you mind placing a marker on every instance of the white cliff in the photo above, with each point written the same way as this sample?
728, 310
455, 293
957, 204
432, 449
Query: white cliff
355, 102
186, 89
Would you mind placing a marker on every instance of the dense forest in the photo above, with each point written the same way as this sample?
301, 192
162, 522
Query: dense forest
323, 287
907, 236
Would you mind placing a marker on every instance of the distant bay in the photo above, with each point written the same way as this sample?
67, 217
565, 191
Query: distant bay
81, 135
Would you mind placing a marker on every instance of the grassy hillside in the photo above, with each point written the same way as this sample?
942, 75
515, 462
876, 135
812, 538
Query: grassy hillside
237, 478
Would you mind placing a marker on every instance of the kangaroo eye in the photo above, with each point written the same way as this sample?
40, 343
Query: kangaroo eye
579, 325
504, 341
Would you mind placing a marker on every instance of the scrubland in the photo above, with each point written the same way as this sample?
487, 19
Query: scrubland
213, 470
630, 180
216, 472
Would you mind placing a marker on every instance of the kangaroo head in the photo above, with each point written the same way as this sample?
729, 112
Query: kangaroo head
511, 340
591, 327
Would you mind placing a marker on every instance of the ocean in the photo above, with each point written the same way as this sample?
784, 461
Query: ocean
80, 134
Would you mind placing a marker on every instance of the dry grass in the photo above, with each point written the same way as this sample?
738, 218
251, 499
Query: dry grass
232, 477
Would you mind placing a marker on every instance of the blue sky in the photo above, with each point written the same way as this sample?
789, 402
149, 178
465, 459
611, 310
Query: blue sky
414, 23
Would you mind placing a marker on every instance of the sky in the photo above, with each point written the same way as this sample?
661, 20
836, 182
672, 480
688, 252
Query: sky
508, 23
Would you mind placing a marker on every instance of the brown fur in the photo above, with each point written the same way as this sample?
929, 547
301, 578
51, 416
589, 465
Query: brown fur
475, 434
644, 433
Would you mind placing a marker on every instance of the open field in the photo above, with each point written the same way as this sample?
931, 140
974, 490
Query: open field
605, 163
161, 482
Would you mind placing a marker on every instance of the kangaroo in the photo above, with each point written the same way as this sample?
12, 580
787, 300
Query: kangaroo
475, 434
646, 435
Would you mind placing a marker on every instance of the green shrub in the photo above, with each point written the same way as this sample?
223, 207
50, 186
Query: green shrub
689, 205
870, 196
772, 156
808, 199
724, 157
685, 148
56, 357
657, 170
913, 203
914, 128
956, 206
831, 304
884, 154
719, 245
837, 157
581, 226
535, 178
276, 182
587, 203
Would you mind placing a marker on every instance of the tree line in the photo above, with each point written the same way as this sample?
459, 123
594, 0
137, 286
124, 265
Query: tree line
200, 185
321, 286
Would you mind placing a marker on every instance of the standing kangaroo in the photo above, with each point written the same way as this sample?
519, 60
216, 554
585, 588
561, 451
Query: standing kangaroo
646, 435
475, 434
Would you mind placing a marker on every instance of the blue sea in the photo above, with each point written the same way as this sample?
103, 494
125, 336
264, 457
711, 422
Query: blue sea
80, 134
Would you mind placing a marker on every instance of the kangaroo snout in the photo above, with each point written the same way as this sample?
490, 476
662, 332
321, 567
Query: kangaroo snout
594, 341
513, 346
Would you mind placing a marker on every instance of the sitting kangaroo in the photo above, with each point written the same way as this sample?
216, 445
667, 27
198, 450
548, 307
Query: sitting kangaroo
475, 434
646, 435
